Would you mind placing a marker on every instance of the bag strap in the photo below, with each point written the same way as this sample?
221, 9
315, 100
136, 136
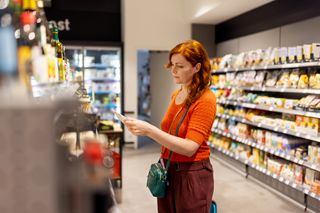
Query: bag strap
177, 131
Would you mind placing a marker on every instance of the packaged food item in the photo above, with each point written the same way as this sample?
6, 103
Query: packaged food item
303, 81
292, 54
314, 103
259, 54
316, 187
215, 80
259, 79
275, 55
267, 57
315, 55
294, 78
290, 103
314, 79
283, 54
239, 62
222, 80
298, 174
225, 61
284, 79
306, 101
299, 54
272, 78
313, 126
307, 52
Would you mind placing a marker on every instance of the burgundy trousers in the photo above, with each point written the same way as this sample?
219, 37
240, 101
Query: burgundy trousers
190, 188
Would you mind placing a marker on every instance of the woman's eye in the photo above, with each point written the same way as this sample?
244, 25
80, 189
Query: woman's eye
180, 67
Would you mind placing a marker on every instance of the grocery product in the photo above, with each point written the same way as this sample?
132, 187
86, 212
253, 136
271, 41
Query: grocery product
294, 78
272, 78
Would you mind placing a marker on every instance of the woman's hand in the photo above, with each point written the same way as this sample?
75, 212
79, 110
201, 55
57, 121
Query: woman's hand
138, 127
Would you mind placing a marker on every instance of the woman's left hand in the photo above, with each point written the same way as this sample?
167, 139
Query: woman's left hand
138, 127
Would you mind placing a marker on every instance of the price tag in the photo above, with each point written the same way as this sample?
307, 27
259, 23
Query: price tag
281, 179
274, 176
268, 173
272, 151
285, 131
294, 185
306, 191
312, 194
287, 182
259, 124
301, 161
282, 155
237, 157
263, 89
313, 166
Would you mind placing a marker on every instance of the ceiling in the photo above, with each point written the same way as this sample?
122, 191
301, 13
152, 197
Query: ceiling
217, 11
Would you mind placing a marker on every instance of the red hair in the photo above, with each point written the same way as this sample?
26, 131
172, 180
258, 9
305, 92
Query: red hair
194, 53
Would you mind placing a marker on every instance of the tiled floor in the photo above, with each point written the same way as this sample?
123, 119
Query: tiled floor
233, 192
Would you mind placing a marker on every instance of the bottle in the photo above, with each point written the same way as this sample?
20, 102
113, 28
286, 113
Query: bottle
8, 44
59, 53
26, 39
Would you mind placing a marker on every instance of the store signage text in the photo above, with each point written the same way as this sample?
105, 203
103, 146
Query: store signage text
62, 25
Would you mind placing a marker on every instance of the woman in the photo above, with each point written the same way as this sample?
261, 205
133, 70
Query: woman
190, 174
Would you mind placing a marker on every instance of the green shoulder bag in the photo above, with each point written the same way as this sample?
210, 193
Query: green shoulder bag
157, 181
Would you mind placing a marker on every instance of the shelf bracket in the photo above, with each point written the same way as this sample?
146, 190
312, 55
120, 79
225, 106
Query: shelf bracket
247, 171
305, 202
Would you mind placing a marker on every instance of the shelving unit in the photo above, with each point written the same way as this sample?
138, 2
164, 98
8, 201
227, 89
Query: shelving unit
268, 67
270, 108
261, 147
272, 128
307, 196
271, 89
299, 187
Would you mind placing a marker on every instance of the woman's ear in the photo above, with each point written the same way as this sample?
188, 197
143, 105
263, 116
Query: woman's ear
197, 67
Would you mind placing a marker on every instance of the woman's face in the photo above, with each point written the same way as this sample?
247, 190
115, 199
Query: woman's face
181, 69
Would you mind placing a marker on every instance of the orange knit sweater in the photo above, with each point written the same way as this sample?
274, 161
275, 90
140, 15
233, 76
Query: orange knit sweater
196, 126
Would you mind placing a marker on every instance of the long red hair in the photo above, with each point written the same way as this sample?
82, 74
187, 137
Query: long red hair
195, 53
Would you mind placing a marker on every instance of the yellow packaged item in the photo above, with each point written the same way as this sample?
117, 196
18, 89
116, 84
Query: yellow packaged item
303, 81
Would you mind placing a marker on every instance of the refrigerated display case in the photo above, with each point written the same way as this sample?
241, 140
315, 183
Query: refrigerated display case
100, 70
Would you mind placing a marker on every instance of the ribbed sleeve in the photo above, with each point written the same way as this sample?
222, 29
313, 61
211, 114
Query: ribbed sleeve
202, 117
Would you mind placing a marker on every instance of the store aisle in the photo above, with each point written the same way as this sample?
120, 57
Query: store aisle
232, 191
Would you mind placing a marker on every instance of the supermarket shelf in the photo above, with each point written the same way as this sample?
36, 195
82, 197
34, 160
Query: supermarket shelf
96, 66
272, 128
272, 89
106, 92
105, 80
268, 67
111, 105
56, 83
268, 150
270, 108
289, 183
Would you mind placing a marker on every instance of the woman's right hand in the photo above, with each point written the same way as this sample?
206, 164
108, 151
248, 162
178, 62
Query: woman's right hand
138, 127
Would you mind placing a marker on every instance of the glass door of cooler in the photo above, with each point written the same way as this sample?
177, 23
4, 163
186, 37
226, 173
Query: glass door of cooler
102, 77
99, 69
